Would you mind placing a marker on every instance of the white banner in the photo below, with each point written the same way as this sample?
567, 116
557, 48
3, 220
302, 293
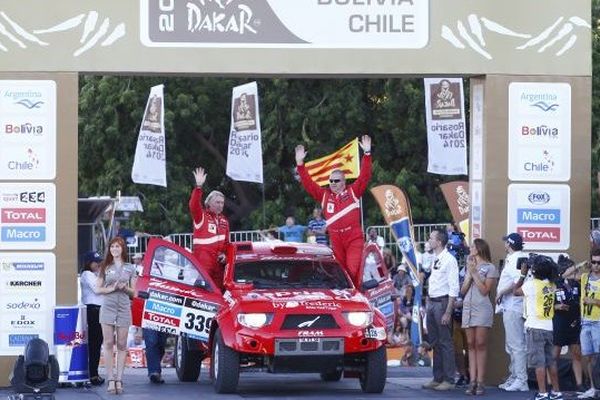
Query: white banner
446, 129
149, 164
244, 153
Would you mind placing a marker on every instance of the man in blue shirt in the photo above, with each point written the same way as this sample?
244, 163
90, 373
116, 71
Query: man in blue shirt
317, 225
292, 232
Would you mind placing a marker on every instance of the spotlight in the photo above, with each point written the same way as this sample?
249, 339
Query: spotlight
35, 374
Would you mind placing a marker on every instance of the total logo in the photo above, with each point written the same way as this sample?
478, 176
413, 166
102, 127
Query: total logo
539, 234
538, 198
545, 165
28, 164
24, 129
539, 131
23, 215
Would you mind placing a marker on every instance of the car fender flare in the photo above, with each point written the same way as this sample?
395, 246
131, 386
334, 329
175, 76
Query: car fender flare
224, 322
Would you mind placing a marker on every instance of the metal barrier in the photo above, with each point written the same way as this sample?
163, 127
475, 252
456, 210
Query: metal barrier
142, 245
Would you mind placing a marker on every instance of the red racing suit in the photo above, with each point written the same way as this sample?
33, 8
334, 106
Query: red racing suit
211, 235
342, 213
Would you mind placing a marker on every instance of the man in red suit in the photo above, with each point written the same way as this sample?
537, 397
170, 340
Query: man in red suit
211, 228
341, 209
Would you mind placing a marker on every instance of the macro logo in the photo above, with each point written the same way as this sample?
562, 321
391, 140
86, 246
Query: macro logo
538, 216
544, 165
29, 104
23, 233
538, 197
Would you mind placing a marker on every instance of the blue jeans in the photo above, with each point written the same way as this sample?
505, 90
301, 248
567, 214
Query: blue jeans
155, 349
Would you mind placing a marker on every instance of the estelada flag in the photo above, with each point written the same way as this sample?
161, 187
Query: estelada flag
344, 159
395, 208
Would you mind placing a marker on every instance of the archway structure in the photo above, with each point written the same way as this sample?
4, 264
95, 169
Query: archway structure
529, 64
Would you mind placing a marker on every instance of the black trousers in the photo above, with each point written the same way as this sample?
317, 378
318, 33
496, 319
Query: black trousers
94, 338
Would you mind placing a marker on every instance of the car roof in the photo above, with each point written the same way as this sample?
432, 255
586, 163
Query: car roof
247, 251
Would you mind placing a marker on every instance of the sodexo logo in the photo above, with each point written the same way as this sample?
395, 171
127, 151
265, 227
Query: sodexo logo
24, 305
538, 197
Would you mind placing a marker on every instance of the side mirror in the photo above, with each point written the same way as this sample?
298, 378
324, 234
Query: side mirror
370, 284
201, 283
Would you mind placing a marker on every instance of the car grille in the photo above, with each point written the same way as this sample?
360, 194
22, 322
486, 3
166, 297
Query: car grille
309, 321
309, 346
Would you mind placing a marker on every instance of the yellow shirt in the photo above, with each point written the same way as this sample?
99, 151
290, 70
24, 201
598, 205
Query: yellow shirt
591, 289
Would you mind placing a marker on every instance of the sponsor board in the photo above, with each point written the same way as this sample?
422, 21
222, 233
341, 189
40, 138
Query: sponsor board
163, 308
27, 130
27, 216
20, 339
397, 24
541, 214
27, 296
539, 126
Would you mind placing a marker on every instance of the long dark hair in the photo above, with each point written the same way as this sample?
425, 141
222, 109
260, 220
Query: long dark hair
109, 259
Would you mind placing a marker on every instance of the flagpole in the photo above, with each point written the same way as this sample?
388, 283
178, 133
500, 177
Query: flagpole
263, 206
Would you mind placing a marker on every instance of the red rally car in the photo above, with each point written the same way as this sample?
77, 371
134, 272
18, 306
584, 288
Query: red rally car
286, 307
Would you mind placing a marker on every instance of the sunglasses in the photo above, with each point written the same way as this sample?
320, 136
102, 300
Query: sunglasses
335, 180
594, 262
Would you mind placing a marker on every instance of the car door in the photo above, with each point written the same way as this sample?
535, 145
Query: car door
174, 293
373, 268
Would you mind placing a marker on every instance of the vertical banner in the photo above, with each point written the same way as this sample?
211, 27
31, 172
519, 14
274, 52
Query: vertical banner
395, 208
149, 164
446, 129
244, 153
457, 196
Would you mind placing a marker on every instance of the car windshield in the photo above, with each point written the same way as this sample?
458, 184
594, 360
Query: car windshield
291, 274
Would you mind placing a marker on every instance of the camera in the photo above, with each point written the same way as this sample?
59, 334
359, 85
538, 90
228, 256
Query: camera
456, 245
541, 267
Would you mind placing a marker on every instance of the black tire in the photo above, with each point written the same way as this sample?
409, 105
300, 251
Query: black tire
187, 361
331, 376
372, 379
225, 366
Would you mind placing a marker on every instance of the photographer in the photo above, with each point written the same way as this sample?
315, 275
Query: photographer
511, 308
590, 315
567, 318
539, 292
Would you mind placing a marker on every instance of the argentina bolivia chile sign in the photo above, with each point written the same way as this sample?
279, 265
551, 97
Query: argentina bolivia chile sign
284, 23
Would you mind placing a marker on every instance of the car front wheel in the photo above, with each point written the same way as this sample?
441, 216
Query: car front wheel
372, 379
187, 361
331, 376
225, 366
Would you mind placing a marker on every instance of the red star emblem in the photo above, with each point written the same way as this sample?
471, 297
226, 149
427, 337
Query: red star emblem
348, 158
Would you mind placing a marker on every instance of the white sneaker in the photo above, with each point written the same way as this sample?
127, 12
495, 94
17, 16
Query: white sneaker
517, 386
588, 394
506, 383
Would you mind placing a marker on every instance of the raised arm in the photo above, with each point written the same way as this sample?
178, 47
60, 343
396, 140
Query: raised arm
195, 203
360, 185
314, 190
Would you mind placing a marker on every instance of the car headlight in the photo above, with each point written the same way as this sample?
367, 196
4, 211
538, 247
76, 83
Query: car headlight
253, 320
360, 318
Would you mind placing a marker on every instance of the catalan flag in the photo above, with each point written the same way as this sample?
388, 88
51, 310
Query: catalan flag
344, 159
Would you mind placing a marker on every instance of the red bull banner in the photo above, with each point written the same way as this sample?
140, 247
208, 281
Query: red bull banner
395, 208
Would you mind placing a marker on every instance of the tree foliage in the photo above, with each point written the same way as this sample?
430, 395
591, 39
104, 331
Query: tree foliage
322, 114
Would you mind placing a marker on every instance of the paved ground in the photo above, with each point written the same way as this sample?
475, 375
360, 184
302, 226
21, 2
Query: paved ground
402, 383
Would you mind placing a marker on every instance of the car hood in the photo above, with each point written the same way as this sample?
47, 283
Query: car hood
309, 300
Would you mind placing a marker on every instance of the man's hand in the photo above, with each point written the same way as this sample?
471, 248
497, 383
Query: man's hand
221, 258
365, 143
446, 318
300, 154
199, 176
561, 307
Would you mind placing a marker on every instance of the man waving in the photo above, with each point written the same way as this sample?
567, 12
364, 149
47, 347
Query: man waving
341, 208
